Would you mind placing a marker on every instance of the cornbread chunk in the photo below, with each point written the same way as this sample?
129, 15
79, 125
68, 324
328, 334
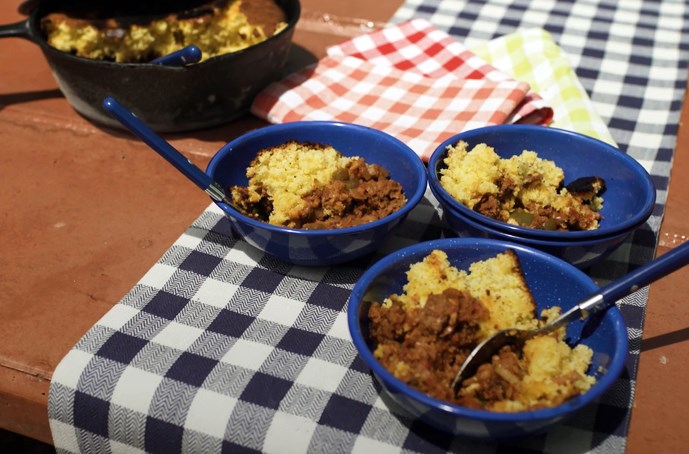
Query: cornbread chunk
219, 27
497, 282
423, 336
522, 190
549, 360
433, 275
314, 186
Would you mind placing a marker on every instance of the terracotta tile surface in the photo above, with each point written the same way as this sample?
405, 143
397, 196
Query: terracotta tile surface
85, 212
660, 406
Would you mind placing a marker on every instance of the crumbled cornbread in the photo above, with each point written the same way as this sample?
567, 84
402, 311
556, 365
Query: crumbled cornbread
289, 172
218, 28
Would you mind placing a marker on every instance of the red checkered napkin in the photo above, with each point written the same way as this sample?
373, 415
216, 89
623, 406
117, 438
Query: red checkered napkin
421, 111
398, 81
416, 45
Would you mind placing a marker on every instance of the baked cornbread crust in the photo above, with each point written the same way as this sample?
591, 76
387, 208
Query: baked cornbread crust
313, 186
219, 27
522, 190
423, 335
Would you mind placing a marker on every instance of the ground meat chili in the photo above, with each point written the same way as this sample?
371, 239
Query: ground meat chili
358, 194
425, 346
364, 193
547, 217
494, 381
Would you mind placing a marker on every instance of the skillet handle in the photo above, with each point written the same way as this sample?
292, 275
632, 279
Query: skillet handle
17, 30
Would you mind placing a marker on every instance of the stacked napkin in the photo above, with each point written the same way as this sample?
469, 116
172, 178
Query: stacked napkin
416, 45
410, 80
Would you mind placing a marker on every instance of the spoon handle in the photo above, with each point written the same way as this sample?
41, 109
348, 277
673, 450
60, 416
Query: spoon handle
650, 272
182, 57
629, 283
156, 142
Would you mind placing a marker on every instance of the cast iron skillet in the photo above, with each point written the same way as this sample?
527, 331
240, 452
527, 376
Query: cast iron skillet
168, 99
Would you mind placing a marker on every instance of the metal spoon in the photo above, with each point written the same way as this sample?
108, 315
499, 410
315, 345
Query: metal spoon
182, 57
604, 298
167, 151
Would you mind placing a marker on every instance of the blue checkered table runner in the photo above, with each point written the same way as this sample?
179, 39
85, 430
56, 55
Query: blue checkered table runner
221, 348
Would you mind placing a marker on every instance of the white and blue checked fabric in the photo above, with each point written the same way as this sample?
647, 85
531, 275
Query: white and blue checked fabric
219, 348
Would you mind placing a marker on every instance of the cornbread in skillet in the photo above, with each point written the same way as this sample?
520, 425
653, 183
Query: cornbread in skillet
423, 335
218, 27
313, 186
523, 189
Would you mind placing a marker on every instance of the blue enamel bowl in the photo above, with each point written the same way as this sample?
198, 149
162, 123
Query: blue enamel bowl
629, 198
320, 247
552, 281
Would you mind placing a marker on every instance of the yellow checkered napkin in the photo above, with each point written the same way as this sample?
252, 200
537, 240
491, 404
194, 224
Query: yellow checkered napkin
532, 56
